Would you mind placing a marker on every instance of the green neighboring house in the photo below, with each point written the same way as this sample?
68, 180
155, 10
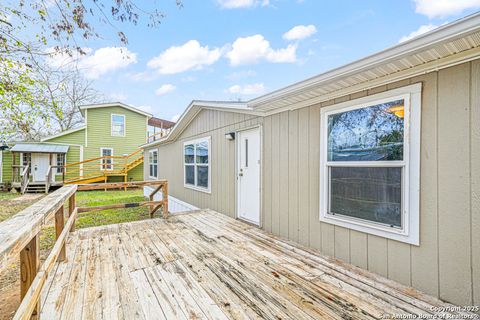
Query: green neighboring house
105, 148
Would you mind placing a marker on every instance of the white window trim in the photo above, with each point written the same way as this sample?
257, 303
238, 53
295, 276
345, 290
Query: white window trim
209, 165
101, 160
149, 163
410, 179
124, 125
64, 163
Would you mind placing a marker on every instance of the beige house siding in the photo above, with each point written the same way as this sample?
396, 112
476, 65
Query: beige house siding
447, 262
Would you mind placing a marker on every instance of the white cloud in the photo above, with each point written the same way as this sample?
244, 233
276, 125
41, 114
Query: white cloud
94, 63
255, 48
443, 8
300, 32
236, 4
189, 56
247, 89
175, 118
164, 89
421, 30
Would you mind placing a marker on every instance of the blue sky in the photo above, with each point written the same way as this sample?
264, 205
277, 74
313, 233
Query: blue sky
239, 49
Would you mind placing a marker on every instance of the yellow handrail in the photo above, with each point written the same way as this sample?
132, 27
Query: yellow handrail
76, 170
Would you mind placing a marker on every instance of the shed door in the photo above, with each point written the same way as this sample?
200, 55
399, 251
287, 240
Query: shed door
40, 163
248, 175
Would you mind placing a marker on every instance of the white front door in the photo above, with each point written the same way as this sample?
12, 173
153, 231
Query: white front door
248, 175
40, 162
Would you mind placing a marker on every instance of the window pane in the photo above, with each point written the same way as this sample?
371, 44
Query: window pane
188, 153
117, 130
202, 176
373, 133
202, 152
190, 175
117, 118
373, 194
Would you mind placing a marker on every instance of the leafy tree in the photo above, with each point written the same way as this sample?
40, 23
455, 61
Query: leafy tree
28, 29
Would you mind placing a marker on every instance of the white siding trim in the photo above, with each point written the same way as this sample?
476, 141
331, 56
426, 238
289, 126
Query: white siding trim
1, 166
86, 128
174, 204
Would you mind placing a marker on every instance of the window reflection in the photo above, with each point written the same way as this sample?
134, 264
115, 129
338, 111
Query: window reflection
374, 133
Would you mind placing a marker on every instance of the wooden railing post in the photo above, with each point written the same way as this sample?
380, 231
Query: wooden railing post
165, 199
59, 224
29, 265
71, 207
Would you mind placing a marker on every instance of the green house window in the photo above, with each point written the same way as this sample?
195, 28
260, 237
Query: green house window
118, 125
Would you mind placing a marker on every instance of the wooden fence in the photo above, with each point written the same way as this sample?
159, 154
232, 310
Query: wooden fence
20, 235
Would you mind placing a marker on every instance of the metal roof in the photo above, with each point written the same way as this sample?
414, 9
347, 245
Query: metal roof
39, 148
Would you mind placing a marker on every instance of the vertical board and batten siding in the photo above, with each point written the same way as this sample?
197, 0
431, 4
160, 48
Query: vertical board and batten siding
99, 135
447, 262
214, 124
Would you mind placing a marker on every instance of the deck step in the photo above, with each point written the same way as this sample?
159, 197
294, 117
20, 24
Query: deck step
35, 188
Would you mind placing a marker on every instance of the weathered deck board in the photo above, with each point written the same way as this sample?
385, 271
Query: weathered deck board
204, 265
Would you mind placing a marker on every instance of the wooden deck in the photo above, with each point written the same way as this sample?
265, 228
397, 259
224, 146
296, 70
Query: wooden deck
203, 265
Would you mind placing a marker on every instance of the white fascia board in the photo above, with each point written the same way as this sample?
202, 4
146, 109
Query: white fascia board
114, 104
193, 109
432, 66
442, 34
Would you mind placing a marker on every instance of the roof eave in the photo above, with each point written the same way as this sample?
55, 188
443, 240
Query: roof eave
445, 33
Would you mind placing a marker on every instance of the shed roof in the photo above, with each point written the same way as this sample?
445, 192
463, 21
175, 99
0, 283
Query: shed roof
160, 123
39, 148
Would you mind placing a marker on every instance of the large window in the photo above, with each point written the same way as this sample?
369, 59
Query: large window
153, 163
196, 156
106, 163
118, 125
370, 163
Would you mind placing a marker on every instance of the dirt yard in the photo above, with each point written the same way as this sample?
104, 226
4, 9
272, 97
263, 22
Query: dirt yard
10, 204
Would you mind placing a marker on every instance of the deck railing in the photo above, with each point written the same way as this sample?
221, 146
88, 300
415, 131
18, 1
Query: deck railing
20, 235
25, 178
102, 166
158, 135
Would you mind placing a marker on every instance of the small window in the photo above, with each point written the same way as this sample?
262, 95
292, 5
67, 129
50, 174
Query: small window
27, 160
118, 125
60, 162
196, 155
106, 163
369, 164
153, 163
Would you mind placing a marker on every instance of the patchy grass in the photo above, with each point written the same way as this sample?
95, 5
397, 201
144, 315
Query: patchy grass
99, 198
7, 196
9, 280
10, 204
